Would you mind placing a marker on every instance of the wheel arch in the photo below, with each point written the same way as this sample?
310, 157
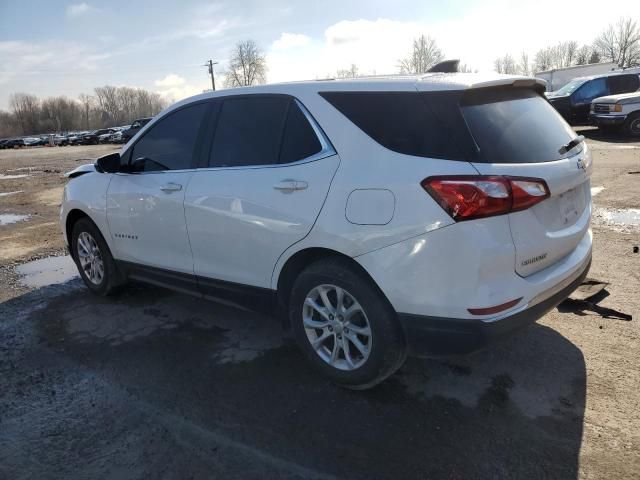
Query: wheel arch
297, 262
74, 215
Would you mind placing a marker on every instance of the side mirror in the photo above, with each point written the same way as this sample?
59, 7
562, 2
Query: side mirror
109, 163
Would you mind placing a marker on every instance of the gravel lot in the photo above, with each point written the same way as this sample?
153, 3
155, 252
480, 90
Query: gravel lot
154, 384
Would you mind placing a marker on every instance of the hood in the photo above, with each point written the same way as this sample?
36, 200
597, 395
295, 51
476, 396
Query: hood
81, 170
622, 98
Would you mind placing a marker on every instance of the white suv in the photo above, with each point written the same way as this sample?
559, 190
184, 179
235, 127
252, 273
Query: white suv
380, 217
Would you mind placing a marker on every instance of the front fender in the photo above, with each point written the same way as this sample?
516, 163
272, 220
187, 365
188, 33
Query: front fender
88, 194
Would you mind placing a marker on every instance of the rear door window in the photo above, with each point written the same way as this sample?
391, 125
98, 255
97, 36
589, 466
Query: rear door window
261, 130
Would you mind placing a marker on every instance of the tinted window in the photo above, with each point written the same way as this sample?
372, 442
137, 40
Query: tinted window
249, 131
592, 89
170, 143
299, 140
406, 122
624, 83
515, 126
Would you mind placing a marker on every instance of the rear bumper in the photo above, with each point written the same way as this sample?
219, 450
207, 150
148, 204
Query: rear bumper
434, 336
608, 119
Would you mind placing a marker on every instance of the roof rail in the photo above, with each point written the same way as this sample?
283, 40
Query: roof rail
446, 66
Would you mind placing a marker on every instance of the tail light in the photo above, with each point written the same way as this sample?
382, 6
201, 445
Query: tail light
466, 197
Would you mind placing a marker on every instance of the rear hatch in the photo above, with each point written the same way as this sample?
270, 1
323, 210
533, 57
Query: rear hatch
518, 133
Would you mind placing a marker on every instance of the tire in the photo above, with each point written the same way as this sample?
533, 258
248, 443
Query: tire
386, 350
632, 125
87, 239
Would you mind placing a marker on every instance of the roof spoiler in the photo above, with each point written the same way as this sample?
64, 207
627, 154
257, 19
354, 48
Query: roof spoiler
447, 66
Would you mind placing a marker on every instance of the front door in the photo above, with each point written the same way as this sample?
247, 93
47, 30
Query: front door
145, 207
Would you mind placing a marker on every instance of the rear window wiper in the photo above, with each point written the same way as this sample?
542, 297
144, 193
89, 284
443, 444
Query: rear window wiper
571, 144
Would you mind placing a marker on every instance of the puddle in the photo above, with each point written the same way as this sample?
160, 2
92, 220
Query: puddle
596, 190
9, 218
620, 219
10, 177
47, 271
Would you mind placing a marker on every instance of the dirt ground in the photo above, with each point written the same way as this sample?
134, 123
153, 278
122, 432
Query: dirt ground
154, 384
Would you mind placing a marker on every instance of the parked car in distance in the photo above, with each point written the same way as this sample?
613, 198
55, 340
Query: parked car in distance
15, 143
135, 127
93, 137
75, 138
60, 140
380, 217
573, 101
117, 136
621, 111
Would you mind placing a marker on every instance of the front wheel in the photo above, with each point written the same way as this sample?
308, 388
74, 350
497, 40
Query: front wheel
632, 125
344, 325
93, 259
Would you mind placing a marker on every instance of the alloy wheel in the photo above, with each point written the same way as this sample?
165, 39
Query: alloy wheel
337, 327
90, 258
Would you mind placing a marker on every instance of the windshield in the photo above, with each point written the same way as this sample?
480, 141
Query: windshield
570, 87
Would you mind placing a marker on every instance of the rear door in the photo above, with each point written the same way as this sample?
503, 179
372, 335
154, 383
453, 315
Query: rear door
519, 134
266, 179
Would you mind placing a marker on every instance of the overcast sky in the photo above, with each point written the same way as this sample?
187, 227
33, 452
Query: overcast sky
51, 47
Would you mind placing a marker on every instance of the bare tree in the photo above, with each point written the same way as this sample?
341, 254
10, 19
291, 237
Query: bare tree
87, 102
620, 43
424, 55
505, 64
523, 67
583, 55
351, 72
26, 109
247, 65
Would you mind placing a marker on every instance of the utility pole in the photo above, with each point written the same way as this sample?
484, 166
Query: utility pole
210, 65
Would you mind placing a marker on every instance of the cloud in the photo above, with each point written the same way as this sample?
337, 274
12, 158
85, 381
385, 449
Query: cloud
290, 40
174, 87
78, 9
171, 80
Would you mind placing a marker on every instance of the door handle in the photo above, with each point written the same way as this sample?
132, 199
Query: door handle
288, 186
171, 187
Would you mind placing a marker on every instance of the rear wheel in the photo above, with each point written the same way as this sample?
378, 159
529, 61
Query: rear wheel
632, 125
93, 259
344, 326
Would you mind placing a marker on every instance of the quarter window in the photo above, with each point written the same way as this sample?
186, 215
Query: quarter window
170, 143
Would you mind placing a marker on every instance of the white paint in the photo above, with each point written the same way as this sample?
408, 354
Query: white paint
6, 194
9, 218
11, 177
47, 271
596, 190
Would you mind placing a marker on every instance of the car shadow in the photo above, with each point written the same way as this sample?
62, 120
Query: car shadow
155, 384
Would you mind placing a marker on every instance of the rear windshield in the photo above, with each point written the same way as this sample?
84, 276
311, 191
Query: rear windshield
515, 126
505, 125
